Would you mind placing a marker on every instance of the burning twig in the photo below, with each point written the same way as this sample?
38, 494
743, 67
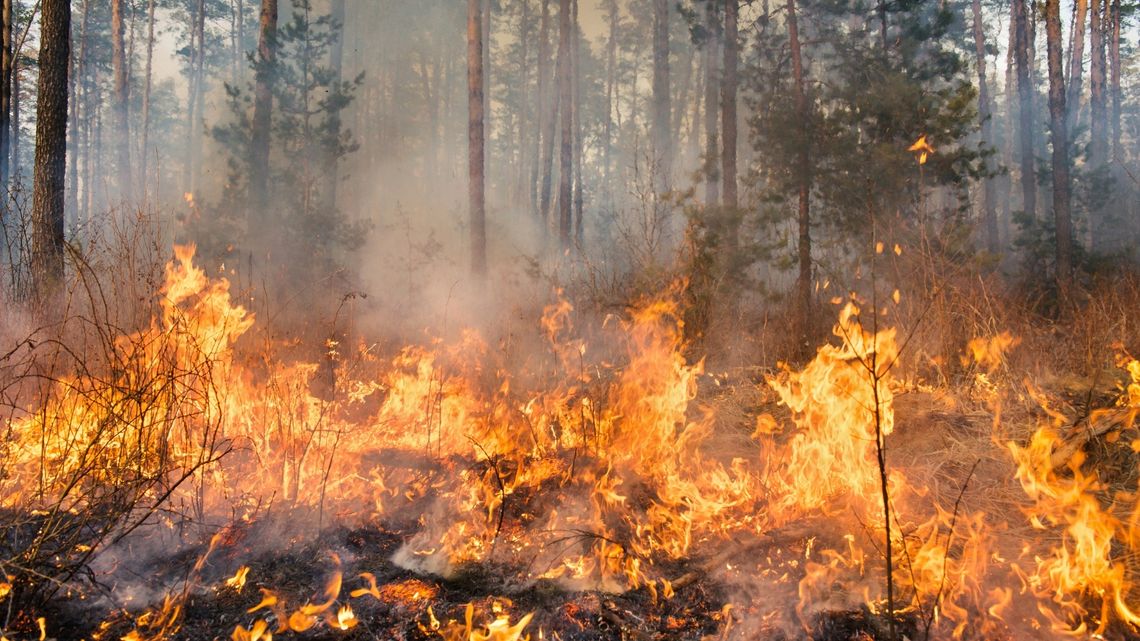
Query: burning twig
494, 463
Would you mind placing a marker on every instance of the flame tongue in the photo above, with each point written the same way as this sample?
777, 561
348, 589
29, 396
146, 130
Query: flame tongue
588, 463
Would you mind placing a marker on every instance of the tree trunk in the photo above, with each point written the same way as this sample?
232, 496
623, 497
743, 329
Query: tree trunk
235, 41
1060, 131
1098, 141
1076, 65
192, 90
522, 192
121, 100
1005, 180
51, 144
488, 119
336, 62
1098, 125
90, 110
199, 110
1098, 134
240, 53
712, 108
548, 135
989, 198
612, 15
475, 153
1114, 82
16, 169
662, 129
576, 102
537, 170
803, 171
71, 208
5, 99
265, 75
728, 104
694, 74
1025, 108
144, 154
566, 142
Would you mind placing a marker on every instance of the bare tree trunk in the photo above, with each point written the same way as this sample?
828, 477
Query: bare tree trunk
522, 192
1098, 123
1098, 132
71, 195
51, 144
240, 61
144, 175
200, 96
1060, 131
989, 198
1076, 64
576, 102
566, 146
803, 170
121, 102
488, 120
336, 62
1114, 82
192, 90
475, 142
1005, 181
5, 99
1097, 102
262, 114
694, 74
235, 41
17, 69
612, 16
662, 128
728, 105
548, 135
712, 108
1025, 98
537, 172
90, 111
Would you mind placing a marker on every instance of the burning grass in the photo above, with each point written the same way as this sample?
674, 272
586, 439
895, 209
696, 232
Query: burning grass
601, 485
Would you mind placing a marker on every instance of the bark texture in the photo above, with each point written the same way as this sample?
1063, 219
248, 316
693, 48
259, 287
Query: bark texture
804, 178
1025, 108
1060, 135
566, 146
51, 144
989, 197
475, 151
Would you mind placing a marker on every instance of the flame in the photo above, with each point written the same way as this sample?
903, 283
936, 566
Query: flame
1083, 565
237, 581
344, 620
923, 149
990, 352
836, 402
500, 629
590, 463
258, 632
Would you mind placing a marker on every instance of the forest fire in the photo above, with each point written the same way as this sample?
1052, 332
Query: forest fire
529, 320
591, 474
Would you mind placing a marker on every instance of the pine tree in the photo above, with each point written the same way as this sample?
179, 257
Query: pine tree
51, 143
